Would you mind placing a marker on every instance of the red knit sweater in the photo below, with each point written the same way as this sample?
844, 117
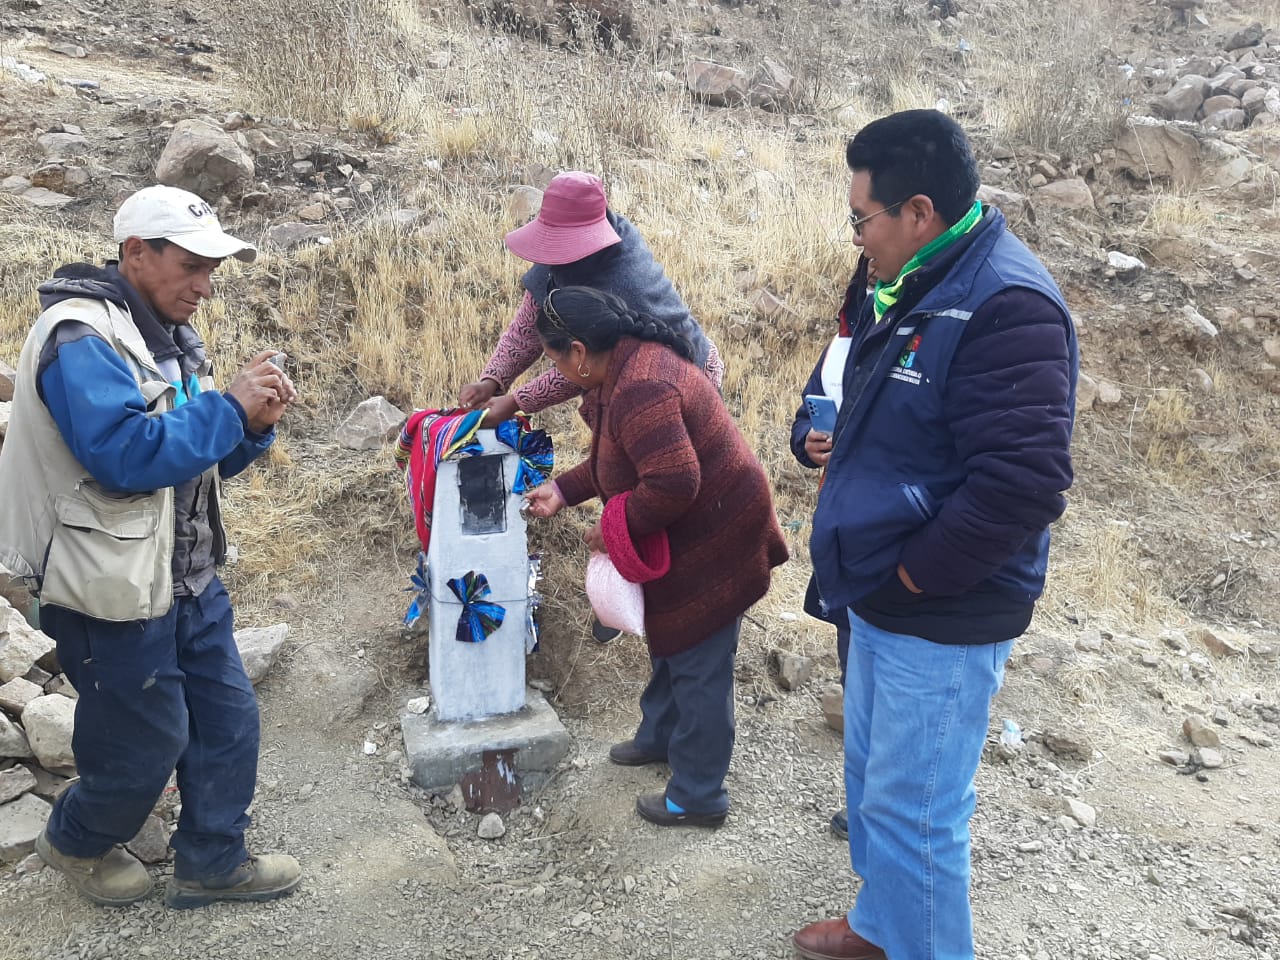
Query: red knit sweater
661, 430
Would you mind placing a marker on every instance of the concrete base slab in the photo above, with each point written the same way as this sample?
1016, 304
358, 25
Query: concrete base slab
441, 753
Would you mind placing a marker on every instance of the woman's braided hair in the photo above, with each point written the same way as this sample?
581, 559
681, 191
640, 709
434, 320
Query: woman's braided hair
599, 320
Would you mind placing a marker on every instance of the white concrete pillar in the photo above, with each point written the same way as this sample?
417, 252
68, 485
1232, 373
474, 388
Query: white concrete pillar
477, 525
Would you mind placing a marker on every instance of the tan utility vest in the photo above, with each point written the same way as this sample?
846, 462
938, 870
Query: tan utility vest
105, 555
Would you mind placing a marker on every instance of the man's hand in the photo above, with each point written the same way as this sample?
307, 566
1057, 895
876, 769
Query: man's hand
817, 447
499, 409
544, 501
263, 390
906, 580
594, 539
477, 394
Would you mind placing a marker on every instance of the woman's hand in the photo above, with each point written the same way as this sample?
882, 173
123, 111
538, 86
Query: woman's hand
817, 447
477, 394
499, 409
544, 501
594, 539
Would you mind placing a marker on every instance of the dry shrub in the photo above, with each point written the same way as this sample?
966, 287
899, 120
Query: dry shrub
348, 61
1054, 87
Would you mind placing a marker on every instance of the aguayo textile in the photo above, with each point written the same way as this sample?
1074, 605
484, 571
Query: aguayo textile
429, 437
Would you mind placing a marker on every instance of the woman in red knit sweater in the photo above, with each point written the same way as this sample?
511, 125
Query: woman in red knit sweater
663, 444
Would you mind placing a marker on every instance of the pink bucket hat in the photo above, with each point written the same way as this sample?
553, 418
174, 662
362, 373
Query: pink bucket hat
571, 224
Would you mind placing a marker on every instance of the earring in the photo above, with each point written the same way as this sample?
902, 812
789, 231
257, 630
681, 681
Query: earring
584, 373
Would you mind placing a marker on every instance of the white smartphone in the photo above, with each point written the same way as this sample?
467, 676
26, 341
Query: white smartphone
822, 413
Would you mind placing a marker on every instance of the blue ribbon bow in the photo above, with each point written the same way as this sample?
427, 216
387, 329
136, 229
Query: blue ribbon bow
537, 455
479, 618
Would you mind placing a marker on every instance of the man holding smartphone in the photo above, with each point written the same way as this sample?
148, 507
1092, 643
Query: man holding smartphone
948, 463
116, 447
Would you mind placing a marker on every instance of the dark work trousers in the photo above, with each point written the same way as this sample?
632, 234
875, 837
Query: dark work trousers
686, 716
155, 695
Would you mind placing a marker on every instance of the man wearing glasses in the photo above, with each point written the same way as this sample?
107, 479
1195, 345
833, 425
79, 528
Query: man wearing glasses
948, 463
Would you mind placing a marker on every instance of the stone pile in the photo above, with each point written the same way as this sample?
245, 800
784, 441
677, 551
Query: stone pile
1237, 88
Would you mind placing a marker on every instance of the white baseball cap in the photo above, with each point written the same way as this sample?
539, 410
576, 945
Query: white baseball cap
179, 217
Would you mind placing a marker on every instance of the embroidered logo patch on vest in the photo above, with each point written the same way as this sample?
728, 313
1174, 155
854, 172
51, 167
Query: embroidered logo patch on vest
905, 370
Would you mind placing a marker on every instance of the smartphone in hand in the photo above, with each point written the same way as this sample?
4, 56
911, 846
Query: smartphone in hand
822, 413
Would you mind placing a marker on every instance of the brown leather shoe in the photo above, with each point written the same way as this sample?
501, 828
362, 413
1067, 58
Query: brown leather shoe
627, 754
833, 940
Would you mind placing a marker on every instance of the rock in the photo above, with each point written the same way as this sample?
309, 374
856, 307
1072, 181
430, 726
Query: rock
1221, 717
1250, 36
793, 670
13, 741
1226, 120
313, 212
1013, 205
765, 303
1256, 738
370, 425
258, 647
1031, 846
73, 50
1162, 151
49, 786
1208, 757
288, 236
151, 845
1254, 101
1109, 394
1175, 758
204, 159
1072, 747
418, 705
716, 84
17, 693
1125, 266
258, 141
523, 204
491, 827
1196, 322
61, 686
20, 823
1199, 732
1086, 392
1080, 812
772, 88
49, 721
21, 645
14, 782
15, 185
1223, 101
833, 707
1091, 640
1184, 100
1215, 644
1073, 194
62, 146
45, 198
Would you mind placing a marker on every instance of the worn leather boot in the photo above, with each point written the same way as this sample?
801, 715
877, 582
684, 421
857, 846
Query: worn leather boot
833, 940
261, 878
115, 879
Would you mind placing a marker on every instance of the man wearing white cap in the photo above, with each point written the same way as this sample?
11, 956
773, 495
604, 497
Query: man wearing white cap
116, 446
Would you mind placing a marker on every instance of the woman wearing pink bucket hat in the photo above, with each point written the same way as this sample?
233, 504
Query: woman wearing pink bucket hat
576, 240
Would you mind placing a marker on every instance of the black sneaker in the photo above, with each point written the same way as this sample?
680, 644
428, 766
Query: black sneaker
840, 824
602, 634
653, 807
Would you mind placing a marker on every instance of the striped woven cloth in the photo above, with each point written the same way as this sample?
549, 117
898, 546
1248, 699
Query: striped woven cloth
429, 437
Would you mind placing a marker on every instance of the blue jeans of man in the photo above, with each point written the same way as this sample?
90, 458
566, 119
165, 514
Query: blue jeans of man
915, 720
686, 717
156, 695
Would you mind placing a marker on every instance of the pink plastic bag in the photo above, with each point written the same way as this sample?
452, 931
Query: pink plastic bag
618, 602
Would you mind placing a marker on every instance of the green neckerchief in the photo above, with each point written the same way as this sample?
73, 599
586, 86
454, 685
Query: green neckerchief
887, 294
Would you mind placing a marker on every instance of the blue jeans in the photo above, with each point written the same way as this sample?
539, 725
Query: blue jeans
915, 720
686, 717
155, 695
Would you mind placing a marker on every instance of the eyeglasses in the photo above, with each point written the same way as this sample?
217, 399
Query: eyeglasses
855, 223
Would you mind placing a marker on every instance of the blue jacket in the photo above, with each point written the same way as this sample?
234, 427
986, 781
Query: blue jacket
953, 462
